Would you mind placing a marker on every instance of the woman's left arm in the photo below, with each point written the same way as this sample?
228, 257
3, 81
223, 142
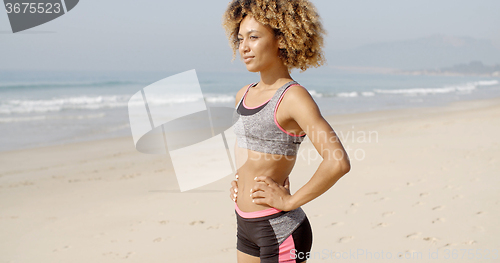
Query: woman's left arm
303, 109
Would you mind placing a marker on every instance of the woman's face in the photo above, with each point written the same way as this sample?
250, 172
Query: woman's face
258, 46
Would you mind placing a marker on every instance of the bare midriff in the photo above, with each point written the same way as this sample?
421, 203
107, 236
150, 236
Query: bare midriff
252, 164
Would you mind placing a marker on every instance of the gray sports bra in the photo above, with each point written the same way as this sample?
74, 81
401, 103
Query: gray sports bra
257, 128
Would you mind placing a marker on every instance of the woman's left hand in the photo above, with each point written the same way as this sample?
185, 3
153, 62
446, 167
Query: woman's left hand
267, 192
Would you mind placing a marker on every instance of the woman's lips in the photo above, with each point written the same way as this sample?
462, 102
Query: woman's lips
248, 59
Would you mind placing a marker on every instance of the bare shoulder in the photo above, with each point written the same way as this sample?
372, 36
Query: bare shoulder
298, 97
300, 106
239, 94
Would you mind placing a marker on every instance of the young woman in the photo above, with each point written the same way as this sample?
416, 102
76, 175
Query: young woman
274, 116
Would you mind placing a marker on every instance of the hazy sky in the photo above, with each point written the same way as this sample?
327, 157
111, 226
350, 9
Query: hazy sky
181, 35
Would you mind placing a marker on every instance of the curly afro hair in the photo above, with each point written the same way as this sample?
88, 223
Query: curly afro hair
296, 21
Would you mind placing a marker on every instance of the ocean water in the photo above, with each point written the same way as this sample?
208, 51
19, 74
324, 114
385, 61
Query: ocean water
43, 108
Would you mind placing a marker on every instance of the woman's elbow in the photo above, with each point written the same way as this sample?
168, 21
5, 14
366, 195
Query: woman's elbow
340, 163
344, 165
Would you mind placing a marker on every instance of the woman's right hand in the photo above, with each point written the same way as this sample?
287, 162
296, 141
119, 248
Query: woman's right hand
233, 191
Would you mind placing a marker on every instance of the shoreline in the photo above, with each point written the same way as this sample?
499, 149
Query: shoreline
336, 119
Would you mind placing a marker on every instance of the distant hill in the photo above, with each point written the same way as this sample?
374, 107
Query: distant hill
473, 68
432, 52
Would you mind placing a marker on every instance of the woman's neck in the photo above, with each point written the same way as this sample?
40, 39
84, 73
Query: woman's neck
274, 75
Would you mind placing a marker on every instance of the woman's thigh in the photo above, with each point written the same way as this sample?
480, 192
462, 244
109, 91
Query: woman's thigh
245, 258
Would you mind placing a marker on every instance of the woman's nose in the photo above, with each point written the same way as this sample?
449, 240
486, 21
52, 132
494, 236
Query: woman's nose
243, 46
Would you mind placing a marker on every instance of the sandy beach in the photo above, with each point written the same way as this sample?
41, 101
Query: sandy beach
423, 188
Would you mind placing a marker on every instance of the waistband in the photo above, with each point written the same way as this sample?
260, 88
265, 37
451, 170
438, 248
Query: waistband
256, 214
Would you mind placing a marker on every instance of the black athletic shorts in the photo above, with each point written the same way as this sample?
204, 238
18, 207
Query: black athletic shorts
274, 235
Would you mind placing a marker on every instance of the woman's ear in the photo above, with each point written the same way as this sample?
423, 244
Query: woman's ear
281, 43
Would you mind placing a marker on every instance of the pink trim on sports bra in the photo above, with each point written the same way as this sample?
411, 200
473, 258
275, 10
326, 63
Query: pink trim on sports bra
245, 96
256, 214
276, 109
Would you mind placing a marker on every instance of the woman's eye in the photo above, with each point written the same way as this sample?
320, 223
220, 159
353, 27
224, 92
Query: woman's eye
253, 37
